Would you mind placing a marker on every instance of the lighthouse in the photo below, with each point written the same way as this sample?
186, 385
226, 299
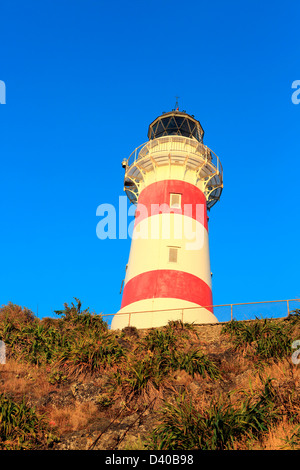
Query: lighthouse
174, 180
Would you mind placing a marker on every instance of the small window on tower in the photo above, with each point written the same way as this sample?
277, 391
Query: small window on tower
173, 254
175, 201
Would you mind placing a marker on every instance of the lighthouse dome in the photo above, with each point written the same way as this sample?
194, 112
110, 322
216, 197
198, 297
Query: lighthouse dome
176, 123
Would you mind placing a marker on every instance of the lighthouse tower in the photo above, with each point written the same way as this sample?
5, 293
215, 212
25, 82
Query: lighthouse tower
173, 179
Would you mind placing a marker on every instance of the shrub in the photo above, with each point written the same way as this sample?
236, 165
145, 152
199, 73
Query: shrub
20, 426
16, 315
156, 365
33, 343
183, 427
162, 351
161, 341
139, 374
268, 339
179, 325
130, 331
294, 317
79, 339
195, 362
89, 354
73, 316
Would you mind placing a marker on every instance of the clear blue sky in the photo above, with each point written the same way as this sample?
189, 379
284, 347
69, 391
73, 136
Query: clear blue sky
84, 78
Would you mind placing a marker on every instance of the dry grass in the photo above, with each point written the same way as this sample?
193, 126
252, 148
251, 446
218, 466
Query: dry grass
277, 437
72, 418
22, 379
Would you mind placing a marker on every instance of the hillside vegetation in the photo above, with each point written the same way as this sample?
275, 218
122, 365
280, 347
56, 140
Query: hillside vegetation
71, 383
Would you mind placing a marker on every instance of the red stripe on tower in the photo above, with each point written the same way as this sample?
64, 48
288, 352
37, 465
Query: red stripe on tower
168, 284
155, 199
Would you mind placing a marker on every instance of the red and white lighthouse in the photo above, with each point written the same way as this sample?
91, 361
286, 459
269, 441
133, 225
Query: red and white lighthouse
173, 179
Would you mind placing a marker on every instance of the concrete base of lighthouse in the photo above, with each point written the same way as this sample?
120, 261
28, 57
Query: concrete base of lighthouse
153, 313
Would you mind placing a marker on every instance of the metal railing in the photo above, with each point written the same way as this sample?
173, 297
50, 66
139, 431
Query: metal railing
179, 150
152, 145
225, 312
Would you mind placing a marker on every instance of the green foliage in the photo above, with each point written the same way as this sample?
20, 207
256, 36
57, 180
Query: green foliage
195, 362
268, 339
105, 401
57, 377
140, 372
20, 427
73, 316
89, 354
294, 317
164, 351
78, 342
161, 341
183, 427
